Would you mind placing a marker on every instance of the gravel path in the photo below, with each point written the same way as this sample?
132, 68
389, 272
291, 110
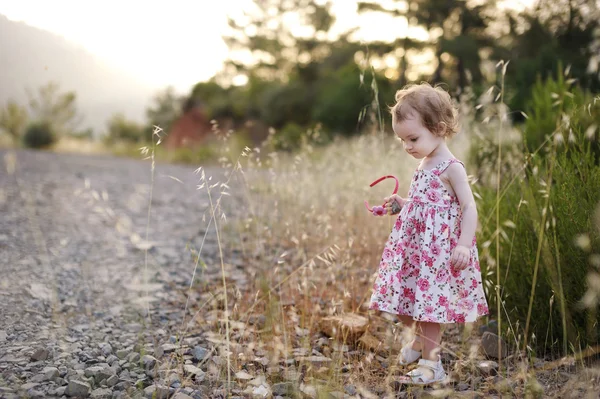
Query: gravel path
72, 272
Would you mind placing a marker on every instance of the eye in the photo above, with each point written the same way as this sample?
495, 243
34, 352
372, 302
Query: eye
413, 140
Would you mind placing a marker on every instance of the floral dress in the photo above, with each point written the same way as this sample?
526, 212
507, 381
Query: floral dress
415, 277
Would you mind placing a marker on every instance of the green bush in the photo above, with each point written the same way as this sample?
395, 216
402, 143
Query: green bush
546, 204
39, 135
556, 104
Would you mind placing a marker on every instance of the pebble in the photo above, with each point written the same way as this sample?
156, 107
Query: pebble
69, 327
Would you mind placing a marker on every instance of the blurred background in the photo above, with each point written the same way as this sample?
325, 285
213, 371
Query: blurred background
108, 72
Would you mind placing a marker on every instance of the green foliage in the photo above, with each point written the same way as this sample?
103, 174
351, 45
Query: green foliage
288, 138
564, 33
577, 110
39, 135
55, 108
342, 101
543, 209
288, 103
13, 119
165, 108
122, 129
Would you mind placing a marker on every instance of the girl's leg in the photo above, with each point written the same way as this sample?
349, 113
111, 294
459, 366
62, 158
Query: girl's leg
415, 330
432, 336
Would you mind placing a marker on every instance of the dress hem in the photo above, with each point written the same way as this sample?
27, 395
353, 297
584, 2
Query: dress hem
428, 320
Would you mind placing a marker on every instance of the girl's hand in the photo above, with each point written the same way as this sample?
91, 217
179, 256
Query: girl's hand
460, 257
390, 200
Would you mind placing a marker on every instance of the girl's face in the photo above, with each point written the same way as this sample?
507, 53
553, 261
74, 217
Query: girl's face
417, 139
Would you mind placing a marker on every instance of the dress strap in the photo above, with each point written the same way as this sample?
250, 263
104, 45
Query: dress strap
444, 165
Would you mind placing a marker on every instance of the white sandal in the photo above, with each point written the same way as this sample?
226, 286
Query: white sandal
408, 355
417, 377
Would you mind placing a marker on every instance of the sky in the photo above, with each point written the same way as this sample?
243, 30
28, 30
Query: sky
176, 43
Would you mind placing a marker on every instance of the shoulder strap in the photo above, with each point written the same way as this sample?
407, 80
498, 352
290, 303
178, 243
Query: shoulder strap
444, 165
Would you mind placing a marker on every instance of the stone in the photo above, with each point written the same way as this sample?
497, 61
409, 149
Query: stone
50, 373
487, 367
157, 392
78, 388
39, 354
490, 347
347, 327
101, 393
199, 353
283, 388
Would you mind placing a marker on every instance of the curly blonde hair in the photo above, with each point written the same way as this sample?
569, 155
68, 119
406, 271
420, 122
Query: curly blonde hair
434, 105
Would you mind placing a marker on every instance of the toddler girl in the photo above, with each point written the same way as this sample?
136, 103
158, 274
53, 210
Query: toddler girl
429, 272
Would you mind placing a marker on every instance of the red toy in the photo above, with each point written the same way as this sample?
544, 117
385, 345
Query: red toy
380, 210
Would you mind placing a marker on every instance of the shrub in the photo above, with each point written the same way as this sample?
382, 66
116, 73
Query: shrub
547, 202
39, 135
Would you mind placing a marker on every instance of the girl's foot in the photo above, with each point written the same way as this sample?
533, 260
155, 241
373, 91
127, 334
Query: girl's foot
427, 372
410, 352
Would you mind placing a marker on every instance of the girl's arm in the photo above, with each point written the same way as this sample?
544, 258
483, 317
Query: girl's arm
459, 181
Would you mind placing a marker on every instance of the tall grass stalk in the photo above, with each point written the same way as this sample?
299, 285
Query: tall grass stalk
154, 143
498, 227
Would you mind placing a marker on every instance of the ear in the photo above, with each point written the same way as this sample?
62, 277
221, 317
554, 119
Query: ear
441, 128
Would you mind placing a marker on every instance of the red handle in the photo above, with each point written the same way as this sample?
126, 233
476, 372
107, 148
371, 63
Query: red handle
378, 181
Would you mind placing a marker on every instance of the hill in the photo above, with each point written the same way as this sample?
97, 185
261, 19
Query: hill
31, 57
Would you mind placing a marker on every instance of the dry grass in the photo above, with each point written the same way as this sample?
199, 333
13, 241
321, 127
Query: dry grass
312, 250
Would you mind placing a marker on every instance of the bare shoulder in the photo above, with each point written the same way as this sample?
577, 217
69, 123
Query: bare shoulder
456, 172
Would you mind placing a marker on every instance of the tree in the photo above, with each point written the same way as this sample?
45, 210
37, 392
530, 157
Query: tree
278, 35
166, 107
56, 109
457, 34
13, 119
539, 40
122, 129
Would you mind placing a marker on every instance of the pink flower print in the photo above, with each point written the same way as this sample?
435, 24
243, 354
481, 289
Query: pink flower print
410, 229
459, 318
434, 183
455, 272
453, 243
399, 274
415, 259
443, 301
433, 196
432, 212
442, 276
474, 283
437, 172
405, 271
482, 309
406, 242
423, 284
398, 223
429, 309
428, 260
477, 267
463, 293
435, 249
444, 228
451, 314
387, 254
375, 306
383, 290
466, 304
